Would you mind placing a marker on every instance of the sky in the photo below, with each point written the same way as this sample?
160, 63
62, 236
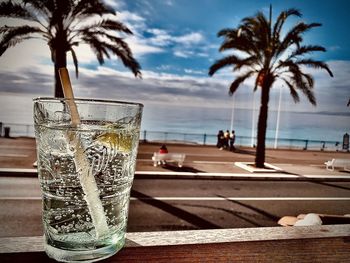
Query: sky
176, 42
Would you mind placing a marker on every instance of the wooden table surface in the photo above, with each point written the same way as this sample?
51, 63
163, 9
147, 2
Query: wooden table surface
328, 243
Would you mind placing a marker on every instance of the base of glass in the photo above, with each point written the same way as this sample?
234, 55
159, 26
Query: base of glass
83, 255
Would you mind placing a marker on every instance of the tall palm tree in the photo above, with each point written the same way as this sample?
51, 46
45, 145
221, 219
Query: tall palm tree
64, 24
268, 56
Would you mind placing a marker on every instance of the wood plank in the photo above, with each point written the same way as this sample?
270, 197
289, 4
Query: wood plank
196, 237
295, 250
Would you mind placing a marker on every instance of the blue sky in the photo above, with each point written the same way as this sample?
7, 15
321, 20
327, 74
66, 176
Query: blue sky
175, 42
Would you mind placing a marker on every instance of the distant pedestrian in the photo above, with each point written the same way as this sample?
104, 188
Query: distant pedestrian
163, 149
227, 139
220, 140
232, 140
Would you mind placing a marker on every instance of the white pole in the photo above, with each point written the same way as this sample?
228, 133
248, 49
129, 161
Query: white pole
278, 117
233, 111
253, 120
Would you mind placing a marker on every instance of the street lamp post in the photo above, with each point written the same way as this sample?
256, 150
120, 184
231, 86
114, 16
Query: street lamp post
278, 117
253, 121
232, 112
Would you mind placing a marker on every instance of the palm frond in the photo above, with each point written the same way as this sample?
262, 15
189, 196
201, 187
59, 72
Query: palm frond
97, 47
294, 36
241, 43
297, 75
263, 24
85, 8
119, 42
102, 36
282, 18
127, 58
238, 81
75, 61
227, 32
309, 79
315, 64
311, 96
10, 9
102, 49
106, 24
304, 82
302, 50
226, 61
115, 26
247, 62
292, 90
14, 35
259, 31
45, 7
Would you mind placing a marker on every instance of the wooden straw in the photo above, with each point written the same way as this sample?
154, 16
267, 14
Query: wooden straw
68, 94
82, 165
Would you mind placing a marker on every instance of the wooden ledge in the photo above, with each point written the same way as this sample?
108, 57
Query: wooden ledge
327, 243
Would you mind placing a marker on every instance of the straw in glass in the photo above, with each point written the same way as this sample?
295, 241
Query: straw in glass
82, 165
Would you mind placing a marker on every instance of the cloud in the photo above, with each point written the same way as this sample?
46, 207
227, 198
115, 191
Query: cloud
191, 71
115, 4
142, 47
148, 40
159, 37
190, 38
183, 46
108, 83
175, 89
183, 53
130, 17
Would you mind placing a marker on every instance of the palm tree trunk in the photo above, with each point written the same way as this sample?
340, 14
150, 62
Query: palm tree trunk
60, 62
262, 126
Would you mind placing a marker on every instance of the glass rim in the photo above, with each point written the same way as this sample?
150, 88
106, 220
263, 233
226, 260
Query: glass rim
102, 101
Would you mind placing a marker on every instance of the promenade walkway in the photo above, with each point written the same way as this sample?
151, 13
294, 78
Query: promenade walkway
20, 153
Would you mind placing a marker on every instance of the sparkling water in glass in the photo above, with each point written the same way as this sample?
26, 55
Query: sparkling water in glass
86, 172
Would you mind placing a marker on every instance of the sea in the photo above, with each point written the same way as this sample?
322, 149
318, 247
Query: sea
201, 124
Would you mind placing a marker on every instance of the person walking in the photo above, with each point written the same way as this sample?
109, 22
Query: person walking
232, 140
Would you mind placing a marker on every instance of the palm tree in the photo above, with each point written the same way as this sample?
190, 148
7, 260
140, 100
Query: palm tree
269, 57
64, 24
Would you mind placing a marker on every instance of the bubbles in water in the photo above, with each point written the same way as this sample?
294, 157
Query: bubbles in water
65, 209
62, 117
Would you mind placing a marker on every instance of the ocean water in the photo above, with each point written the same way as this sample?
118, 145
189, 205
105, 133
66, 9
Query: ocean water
16, 110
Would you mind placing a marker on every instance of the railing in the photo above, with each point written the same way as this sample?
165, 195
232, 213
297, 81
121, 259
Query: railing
17, 129
211, 139
198, 138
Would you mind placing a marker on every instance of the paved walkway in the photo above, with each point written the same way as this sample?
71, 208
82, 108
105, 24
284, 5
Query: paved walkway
200, 160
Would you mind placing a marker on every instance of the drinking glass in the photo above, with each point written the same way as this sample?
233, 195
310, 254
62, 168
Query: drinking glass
86, 164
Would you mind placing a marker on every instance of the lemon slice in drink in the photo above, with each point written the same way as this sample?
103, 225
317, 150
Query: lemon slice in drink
121, 142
